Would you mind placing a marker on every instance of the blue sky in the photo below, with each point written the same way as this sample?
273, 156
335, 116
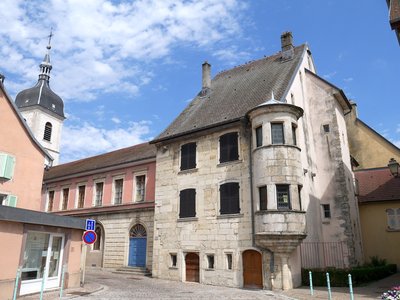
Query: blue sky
126, 69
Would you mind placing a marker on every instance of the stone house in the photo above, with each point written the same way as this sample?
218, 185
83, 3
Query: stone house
117, 190
254, 179
35, 247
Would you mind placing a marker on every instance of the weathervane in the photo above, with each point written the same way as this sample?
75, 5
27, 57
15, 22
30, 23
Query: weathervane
49, 36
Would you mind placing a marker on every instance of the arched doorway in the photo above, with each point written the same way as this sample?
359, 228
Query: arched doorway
252, 269
192, 267
137, 246
94, 257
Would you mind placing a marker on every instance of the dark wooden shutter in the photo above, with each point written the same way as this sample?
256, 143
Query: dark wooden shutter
229, 196
228, 144
47, 131
263, 197
187, 207
188, 156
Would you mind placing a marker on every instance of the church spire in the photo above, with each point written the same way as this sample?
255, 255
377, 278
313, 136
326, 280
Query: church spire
45, 66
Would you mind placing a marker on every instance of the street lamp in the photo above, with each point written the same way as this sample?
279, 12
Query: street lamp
394, 167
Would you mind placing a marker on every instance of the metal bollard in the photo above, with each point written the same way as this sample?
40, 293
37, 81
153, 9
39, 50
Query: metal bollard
351, 288
329, 286
311, 286
62, 280
42, 287
16, 284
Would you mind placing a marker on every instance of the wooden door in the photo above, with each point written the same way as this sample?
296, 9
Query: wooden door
252, 270
192, 267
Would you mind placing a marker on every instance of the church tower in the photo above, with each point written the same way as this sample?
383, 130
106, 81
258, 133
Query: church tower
43, 109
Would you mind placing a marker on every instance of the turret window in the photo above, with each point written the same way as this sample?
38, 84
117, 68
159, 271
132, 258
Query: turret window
283, 196
259, 136
47, 131
277, 133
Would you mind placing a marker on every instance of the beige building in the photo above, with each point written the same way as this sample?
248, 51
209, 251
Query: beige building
254, 180
379, 200
367, 147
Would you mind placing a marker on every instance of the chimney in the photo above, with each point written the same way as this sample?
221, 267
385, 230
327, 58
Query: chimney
206, 76
287, 45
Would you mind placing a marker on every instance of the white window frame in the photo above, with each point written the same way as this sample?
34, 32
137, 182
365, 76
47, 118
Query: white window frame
226, 253
207, 262
78, 185
135, 175
48, 199
115, 178
95, 190
62, 197
3, 198
395, 217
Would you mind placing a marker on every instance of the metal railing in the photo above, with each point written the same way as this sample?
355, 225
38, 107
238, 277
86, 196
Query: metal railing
323, 255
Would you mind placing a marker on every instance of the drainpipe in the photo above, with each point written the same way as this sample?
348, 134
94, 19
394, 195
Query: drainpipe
272, 258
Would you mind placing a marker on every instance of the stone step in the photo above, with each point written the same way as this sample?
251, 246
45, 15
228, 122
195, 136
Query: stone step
133, 271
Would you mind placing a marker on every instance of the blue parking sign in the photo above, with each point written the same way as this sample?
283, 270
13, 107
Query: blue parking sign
90, 224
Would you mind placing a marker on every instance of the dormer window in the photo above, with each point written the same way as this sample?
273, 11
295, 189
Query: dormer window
53, 106
47, 131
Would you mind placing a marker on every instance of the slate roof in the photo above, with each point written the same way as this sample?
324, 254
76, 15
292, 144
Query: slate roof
234, 92
377, 185
111, 159
41, 95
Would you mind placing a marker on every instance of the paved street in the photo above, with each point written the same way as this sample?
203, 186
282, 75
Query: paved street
122, 286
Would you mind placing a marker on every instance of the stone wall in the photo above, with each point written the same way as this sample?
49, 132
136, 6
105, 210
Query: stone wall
116, 237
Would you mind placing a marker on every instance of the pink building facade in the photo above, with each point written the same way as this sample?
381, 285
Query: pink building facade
117, 190
36, 247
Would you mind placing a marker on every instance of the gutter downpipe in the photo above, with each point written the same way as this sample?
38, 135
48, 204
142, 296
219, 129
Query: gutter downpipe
272, 258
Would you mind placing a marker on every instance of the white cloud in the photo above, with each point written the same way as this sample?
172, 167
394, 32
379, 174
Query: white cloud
116, 120
348, 79
231, 55
76, 139
101, 46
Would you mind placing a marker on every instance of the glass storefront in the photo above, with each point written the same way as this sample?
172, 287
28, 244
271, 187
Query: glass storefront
42, 261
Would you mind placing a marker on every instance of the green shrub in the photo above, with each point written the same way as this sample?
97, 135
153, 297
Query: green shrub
339, 277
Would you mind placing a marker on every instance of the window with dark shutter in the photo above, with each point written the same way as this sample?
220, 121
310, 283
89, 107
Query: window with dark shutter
229, 196
262, 190
188, 156
228, 147
283, 196
259, 136
47, 131
277, 133
187, 205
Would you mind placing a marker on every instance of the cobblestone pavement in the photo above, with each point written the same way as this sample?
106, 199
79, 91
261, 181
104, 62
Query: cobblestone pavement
122, 286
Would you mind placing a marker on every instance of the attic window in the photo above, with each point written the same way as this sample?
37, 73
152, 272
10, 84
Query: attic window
27, 100
53, 106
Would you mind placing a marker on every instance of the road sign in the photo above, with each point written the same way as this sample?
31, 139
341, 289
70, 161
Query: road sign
90, 224
89, 237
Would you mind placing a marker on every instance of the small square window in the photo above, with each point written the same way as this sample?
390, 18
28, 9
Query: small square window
173, 260
210, 261
326, 128
229, 261
326, 209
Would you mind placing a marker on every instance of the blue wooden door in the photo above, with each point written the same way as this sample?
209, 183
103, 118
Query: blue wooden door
137, 252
